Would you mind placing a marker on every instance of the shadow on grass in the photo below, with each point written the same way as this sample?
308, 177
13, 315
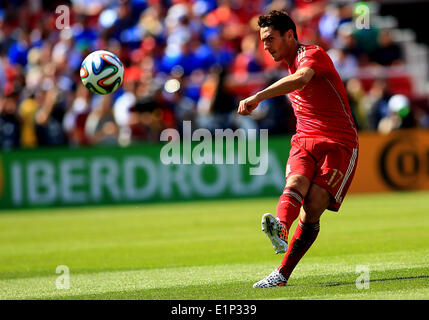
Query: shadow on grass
345, 283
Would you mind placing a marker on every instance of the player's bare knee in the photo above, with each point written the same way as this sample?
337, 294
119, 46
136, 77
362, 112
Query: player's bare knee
298, 182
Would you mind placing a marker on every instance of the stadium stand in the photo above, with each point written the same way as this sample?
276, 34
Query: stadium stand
190, 60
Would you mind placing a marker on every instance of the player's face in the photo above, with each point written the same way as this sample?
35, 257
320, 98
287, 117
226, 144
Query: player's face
275, 43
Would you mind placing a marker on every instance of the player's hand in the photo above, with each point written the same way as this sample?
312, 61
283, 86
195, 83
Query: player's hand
247, 105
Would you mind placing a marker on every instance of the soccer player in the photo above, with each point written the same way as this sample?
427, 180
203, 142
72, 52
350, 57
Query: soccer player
324, 150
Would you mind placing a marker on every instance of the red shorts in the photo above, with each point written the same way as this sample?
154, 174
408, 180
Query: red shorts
328, 164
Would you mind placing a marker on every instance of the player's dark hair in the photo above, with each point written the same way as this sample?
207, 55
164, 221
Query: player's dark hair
278, 20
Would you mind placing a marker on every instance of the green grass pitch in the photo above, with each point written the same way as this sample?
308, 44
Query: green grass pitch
213, 250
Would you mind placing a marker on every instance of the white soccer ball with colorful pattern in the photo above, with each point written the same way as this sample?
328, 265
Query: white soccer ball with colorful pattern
102, 72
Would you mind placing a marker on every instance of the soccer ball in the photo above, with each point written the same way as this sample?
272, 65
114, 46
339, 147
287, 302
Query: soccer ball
102, 72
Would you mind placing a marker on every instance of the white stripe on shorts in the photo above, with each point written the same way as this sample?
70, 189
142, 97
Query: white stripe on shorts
348, 173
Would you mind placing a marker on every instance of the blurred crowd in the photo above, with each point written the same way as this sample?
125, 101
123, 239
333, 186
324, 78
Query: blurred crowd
184, 60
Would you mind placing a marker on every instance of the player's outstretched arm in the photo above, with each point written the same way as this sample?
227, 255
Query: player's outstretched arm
298, 80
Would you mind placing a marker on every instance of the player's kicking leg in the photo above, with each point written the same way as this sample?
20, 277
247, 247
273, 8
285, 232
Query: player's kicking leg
288, 207
305, 234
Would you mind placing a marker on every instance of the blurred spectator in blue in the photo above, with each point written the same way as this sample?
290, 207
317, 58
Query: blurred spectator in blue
192, 85
189, 55
220, 54
19, 49
329, 22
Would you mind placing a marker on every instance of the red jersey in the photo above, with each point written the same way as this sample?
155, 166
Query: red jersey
322, 107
